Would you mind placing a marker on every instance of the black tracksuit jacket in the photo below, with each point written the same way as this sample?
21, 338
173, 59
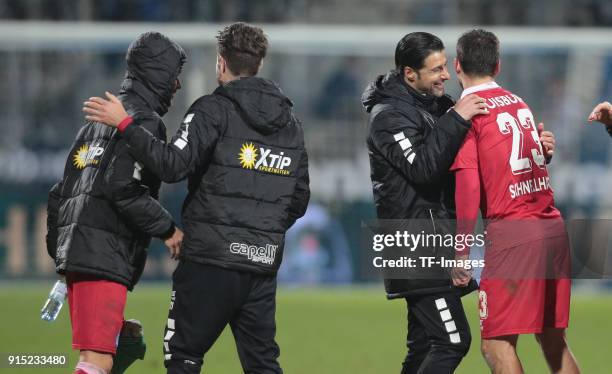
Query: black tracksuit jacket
412, 141
103, 213
242, 151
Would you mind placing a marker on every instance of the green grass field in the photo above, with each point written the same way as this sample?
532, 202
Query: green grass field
344, 330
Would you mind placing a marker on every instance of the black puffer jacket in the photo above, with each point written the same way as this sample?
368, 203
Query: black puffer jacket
101, 216
243, 152
412, 142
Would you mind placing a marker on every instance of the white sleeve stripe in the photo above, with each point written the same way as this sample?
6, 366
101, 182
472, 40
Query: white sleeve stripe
441, 303
137, 168
446, 315
188, 118
180, 143
405, 144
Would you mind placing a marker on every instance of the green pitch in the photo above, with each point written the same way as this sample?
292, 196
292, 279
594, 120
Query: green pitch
343, 330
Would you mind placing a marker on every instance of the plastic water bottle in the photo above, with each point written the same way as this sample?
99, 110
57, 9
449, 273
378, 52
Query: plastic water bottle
54, 303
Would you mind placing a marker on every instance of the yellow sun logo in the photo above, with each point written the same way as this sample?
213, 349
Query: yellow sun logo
80, 158
248, 156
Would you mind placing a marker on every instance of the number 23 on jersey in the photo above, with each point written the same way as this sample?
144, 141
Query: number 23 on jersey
520, 162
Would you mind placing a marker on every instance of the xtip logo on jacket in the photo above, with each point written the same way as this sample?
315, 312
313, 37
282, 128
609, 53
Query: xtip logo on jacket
264, 255
86, 156
263, 159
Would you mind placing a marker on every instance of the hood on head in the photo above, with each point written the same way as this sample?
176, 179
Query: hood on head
261, 102
154, 62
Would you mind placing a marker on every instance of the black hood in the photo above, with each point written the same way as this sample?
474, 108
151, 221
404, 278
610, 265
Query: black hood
261, 103
392, 86
154, 62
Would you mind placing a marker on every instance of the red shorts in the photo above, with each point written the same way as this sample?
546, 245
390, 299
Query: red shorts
96, 312
525, 289
510, 306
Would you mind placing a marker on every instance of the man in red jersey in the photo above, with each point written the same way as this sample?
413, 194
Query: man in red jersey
501, 169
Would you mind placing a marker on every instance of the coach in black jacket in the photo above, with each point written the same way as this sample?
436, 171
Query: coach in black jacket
414, 136
242, 150
103, 213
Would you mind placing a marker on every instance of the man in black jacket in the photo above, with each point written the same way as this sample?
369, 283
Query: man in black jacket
242, 150
415, 132
104, 212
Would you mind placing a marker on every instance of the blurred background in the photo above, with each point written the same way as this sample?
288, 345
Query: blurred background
54, 54
556, 55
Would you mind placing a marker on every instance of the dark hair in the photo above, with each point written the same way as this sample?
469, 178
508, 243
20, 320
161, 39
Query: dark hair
414, 48
478, 52
243, 47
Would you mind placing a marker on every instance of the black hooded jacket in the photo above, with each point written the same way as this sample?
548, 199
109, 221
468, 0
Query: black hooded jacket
412, 141
242, 150
103, 213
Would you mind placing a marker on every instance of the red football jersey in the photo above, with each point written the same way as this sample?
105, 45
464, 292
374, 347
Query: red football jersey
505, 148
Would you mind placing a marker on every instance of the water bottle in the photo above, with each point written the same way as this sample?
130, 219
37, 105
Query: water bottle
54, 303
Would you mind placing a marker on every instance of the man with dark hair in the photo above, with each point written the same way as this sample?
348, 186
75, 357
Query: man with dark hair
501, 168
415, 131
242, 150
414, 134
103, 213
